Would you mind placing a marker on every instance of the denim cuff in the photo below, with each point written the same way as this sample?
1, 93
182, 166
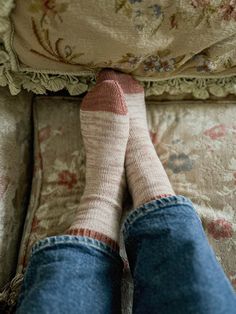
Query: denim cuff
162, 203
62, 240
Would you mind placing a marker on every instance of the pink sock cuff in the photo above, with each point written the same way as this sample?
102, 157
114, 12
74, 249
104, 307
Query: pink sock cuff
95, 235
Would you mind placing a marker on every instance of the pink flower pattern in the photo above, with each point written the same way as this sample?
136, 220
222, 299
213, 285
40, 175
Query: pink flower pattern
35, 224
216, 132
44, 133
229, 11
67, 179
220, 229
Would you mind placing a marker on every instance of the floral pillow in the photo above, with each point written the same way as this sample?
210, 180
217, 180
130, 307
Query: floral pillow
172, 46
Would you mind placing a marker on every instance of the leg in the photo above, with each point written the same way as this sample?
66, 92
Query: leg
80, 272
173, 266
68, 274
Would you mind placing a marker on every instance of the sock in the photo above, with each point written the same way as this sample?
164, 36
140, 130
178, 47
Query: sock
105, 130
147, 179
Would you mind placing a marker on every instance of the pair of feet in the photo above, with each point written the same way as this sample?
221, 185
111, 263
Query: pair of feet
118, 147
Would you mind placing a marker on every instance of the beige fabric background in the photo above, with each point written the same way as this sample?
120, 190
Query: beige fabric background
15, 176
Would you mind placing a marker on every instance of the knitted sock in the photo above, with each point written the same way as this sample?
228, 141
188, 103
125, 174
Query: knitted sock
146, 176
105, 130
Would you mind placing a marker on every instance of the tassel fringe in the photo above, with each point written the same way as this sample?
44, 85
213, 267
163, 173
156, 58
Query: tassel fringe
9, 295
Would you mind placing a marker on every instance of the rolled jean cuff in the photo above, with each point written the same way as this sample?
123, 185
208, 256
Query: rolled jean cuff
161, 205
71, 274
56, 242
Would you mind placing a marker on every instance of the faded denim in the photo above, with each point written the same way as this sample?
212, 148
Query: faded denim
174, 269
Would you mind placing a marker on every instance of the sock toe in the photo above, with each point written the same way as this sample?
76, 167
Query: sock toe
128, 84
106, 74
105, 96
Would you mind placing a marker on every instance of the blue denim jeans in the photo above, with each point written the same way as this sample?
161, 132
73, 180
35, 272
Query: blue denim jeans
173, 267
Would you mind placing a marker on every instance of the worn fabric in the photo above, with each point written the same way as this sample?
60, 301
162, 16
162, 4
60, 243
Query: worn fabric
174, 269
15, 174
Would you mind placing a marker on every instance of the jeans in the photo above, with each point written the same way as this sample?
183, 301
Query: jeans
173, 267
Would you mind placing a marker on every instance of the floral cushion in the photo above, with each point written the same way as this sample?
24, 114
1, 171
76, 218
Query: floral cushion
172, 46
15, 176
195, 143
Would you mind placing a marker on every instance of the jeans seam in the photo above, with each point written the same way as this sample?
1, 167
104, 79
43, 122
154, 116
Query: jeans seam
144, 210
74, 240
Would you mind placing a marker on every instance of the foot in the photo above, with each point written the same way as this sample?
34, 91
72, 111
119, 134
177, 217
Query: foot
146, 176
105, 130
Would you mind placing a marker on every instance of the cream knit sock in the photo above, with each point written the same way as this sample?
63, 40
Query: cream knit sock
105, 130
146, 176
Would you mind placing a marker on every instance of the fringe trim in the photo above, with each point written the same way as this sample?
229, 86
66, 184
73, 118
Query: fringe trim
201, 88
39, 83
9, 294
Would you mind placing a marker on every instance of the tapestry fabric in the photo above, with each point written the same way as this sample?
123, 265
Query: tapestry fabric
173, 47
15, 176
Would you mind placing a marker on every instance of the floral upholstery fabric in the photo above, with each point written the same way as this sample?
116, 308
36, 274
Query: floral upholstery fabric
197, 146
58, 178
195, 143
147, 38
15, 179
56, 44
